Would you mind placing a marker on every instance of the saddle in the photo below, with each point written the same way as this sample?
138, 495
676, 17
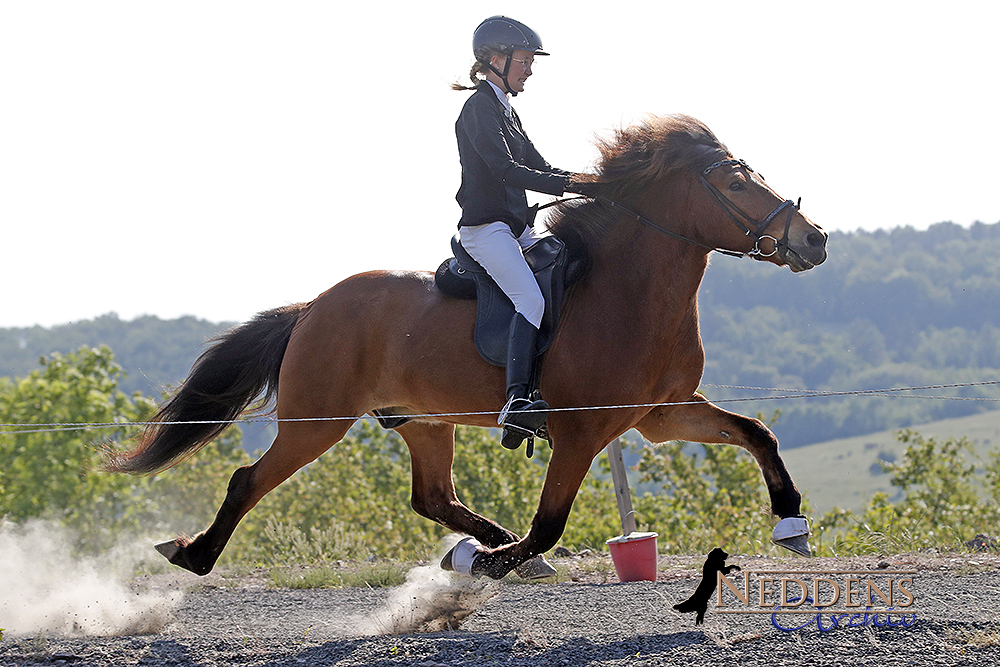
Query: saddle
462, 277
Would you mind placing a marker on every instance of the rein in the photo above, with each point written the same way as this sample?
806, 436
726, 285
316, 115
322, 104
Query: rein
669, 232
731, 209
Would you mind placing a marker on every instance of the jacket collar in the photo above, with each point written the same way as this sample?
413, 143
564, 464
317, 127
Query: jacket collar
487, 88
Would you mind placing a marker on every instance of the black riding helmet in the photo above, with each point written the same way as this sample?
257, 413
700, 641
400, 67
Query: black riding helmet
503, 35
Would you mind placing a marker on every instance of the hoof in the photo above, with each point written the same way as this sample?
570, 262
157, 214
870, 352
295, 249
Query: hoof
792, 533
174, 551
536, 568
461, 556
169, 550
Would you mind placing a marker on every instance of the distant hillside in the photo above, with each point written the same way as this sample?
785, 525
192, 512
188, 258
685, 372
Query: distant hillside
155, 353
893, 308
896, 308
845, 472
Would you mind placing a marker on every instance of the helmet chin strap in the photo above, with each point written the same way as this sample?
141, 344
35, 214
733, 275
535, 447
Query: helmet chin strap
503, 75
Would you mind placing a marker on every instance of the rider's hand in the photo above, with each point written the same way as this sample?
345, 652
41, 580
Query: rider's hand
582, 184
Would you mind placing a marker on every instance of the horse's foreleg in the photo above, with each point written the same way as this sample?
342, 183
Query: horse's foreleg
567, 469
432, 451
295, 446
705, 422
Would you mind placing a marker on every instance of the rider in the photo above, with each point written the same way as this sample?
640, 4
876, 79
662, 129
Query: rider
499, 163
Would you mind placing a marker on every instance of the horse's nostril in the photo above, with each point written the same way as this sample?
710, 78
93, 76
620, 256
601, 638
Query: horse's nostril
816, 239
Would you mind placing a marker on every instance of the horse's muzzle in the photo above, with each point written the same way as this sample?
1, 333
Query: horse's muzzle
809, 253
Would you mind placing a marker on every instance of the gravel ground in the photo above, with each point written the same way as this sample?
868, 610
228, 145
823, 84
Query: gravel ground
586, 618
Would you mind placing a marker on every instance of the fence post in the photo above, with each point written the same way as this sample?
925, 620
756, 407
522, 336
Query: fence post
622, 494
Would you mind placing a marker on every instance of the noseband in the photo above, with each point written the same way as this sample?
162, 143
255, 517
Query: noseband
747, 224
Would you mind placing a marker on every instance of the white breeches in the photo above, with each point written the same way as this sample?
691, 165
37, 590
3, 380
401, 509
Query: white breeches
496, 249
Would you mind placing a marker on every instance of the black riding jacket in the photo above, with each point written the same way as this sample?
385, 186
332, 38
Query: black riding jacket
499, 163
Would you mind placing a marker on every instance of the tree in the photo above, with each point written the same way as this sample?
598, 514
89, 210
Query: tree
46, 458
949, 497
62, 414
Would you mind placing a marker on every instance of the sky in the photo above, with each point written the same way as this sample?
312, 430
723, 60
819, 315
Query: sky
220, 158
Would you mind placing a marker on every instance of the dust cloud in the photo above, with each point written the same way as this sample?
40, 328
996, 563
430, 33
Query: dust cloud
44, 589
431, 599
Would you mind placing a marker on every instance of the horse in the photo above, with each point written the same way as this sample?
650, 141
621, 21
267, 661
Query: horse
627, 352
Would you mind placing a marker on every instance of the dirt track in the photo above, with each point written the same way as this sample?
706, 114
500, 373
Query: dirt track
591, 621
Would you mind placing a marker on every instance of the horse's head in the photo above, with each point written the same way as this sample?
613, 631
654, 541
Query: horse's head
760, 223
672, 174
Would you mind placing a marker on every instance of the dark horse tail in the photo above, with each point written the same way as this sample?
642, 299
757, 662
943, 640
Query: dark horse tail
240, 366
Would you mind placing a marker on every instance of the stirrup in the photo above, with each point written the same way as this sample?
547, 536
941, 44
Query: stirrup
522, 418
524, 413
513, 436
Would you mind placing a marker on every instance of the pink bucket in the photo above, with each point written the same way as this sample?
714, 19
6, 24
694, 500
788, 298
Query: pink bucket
634, 556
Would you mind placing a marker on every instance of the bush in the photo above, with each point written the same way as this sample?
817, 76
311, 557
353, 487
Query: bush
49, 472
950, 496
354, 502
364, 483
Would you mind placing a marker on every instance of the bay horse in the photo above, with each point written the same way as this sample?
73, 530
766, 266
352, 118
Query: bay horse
627, 348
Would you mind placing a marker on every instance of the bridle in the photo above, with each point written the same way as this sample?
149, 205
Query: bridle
735, 213
747, 224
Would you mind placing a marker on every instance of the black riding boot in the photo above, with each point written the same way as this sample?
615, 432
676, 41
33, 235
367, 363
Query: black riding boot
521, 417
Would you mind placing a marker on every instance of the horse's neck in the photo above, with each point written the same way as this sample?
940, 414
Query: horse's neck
657, 276
644, 299
652, 278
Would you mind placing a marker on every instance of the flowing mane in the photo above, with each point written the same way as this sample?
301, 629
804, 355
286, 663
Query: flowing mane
630, 161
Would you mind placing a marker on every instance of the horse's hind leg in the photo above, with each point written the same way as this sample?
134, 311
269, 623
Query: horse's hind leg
200, 553
432, 452
295, 445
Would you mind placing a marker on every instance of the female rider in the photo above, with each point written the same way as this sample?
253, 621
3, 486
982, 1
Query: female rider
499, 163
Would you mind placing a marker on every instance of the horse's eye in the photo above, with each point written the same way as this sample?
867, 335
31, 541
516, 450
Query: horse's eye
737, 186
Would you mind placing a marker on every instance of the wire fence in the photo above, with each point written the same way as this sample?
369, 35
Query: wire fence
783, 394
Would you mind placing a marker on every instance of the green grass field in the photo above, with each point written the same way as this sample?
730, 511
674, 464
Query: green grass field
844, 472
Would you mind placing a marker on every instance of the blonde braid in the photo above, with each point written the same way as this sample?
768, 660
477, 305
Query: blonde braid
477, 69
